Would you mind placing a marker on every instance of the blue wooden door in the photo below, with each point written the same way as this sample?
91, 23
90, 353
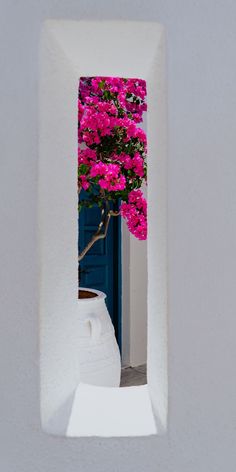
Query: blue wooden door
101, 267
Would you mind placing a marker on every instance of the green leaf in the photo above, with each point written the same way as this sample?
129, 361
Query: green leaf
101, 84
82, 169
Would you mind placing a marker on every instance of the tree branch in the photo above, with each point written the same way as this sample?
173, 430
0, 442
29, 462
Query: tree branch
101, 231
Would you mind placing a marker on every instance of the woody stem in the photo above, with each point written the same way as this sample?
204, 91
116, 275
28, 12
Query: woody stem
101, 231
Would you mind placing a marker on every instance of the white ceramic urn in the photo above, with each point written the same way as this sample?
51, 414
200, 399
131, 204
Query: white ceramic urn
99, 355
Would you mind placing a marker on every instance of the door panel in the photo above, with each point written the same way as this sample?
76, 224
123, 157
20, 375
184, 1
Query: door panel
101, 267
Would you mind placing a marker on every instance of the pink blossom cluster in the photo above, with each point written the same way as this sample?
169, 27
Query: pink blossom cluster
130, 93
135, 163
96, 121
94, 124
84, 183
112, 147
86, 156
110, 177
135, 213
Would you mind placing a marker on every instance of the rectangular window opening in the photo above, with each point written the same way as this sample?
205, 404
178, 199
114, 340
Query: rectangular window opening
103, 327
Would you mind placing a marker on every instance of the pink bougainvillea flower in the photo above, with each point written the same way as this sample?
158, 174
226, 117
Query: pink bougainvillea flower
83, 182
112, 146
135, 213
86, 156
111, 178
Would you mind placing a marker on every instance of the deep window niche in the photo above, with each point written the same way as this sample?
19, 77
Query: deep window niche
125, 50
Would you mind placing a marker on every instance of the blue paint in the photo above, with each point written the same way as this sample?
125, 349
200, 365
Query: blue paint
101, 267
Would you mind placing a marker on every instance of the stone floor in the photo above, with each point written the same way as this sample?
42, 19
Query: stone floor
131, 376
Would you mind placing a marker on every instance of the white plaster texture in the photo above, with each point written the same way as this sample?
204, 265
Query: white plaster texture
99, 411
138, 302
134, 294
134, 299
64, 59
201, 40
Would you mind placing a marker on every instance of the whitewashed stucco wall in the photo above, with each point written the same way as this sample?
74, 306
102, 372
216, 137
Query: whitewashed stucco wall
202, 228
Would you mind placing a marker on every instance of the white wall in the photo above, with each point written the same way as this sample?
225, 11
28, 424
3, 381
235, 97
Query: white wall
134, 299
134, 295
202, 230
138, 302
62, 61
